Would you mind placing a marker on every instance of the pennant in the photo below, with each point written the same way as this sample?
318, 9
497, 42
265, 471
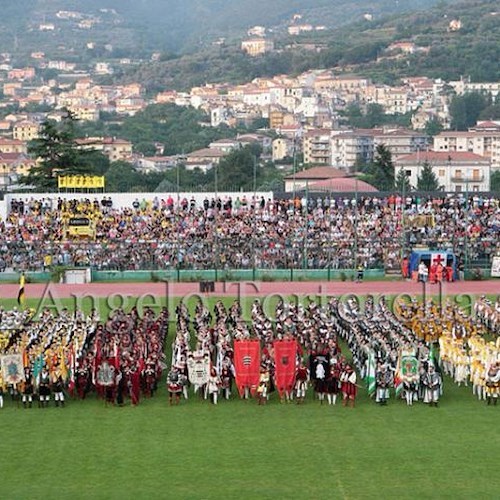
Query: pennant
38, 366
398, 380
370, 374
285, 362
247, 365
21, 299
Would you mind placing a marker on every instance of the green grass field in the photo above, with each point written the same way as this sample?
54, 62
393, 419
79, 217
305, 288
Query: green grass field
238, 449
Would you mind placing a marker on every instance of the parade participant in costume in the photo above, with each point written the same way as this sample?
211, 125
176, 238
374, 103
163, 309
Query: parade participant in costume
2, 390
27, 390
82, 380
226, 378
432, 386
348, 386
57, 388
410, 390
44, 388
263, 387
173, 386
383, 382
333, 382
213, 386
320, 366
149, 377
492, 377
301, 382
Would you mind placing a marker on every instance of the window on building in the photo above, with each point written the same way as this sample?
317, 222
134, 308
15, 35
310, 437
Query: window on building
458, 173
458, 189
441, 172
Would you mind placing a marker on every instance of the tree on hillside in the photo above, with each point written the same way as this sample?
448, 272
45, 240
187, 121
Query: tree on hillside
402, 183
433, 127
58, 154
381, 171
466, 109
237, 168
427, 180
495, 182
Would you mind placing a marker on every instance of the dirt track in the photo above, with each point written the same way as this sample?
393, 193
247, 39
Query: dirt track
260, 289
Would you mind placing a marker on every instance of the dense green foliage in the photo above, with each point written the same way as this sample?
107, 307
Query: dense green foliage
177, 129
427, 180
59, 154
402, 183
495, 182
380, 173
472, 51
135, 28
466, 109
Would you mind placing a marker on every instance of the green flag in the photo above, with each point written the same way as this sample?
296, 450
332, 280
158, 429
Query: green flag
370, 374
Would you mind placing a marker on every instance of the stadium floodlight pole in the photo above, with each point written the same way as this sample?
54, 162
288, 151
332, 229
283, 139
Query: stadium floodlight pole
306, 219
216, 237
254, 214
356, 226
177, 221
466, 235
403, 205
294, 167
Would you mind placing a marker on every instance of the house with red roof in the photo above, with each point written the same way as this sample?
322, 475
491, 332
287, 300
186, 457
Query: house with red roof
457, 171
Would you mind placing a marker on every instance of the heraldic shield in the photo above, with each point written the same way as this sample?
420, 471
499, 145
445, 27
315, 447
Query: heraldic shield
409, 367
285, 362
105, 374
12, 368
247, 365
198, 368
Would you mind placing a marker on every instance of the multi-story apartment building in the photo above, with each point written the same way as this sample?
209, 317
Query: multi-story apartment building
25, 130
317, 147
456, 171
359, 145
257, 46
485, 143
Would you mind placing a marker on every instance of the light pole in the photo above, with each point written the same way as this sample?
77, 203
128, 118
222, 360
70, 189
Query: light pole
355, 260
466, 236
177, 221
306, 220
216, 213
254, 215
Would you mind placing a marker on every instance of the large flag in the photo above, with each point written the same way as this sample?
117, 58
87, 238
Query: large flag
12, 368
38, 367
285, 357
398, 380
247, 364
198, 364
319, 365
21, 299
370, 374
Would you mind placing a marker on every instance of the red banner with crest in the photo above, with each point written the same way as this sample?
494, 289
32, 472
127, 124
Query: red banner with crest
285, 356
247, 364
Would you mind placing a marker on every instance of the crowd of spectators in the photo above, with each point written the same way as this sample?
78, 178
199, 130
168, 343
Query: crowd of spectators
240, 233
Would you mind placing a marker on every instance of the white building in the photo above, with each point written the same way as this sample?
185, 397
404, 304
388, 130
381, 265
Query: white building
455, 171
484, 143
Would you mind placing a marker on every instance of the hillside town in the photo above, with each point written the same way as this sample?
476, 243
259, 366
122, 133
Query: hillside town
302, 115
